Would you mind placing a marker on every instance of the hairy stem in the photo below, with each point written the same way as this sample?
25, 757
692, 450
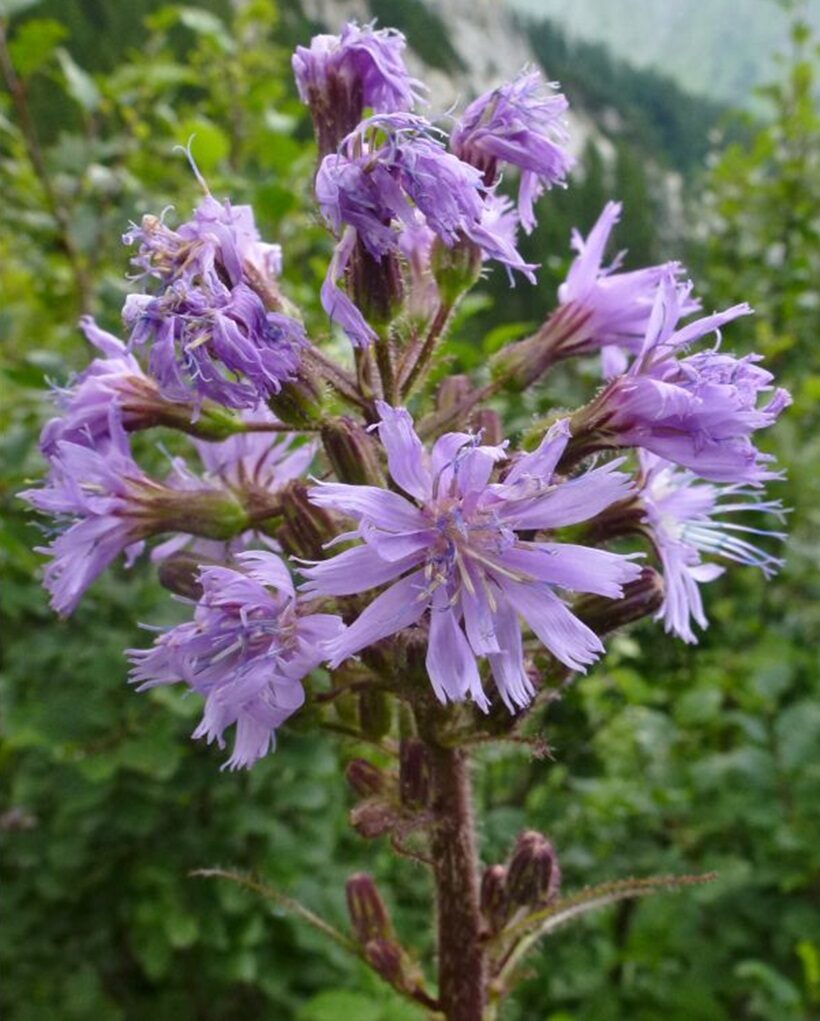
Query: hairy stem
461, 964
422, 362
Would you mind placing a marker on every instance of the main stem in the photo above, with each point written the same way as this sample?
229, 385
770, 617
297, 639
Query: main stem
461, 966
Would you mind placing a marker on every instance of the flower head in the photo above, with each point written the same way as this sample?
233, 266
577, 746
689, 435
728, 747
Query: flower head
453, 552
86, 404
605, 309
339, 76
698, 411
393, 174
105, 505
684, 517
246, 651
211, 333
521, 123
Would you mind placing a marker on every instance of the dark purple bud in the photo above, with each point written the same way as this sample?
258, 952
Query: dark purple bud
494, 901
372, 819
414, 773
533, 875
641, 598
376, 285
453, 390
368, 915
488, 423
352, 452
386, 958
306, 527
366, 779
179, 573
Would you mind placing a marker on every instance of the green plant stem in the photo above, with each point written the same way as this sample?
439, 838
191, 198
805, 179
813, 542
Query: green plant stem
422, 362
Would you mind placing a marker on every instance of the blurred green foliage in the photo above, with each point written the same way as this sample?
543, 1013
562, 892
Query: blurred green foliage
665, 760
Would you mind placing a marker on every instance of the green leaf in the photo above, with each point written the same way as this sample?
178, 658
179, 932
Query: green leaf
340, 1005
80, 85
34, 44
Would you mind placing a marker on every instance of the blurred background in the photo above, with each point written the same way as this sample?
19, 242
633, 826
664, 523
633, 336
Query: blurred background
702, 116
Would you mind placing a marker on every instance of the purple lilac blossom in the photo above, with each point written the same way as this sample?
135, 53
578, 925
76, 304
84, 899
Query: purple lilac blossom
698, 411
210, 331
85, 405
101, 495
246, 651
684, 519
603, 309
521, 123
388, 174
258, 463
451, 546
339, 77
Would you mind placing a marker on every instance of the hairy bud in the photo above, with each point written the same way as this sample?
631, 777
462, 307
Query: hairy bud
179, 573
368, 915
494, 901
306, 527
298, 403
641, 598
385, 957
372, 819
375, 714
488, 423
352, 452
364, 778
533, 875
452, 391
414, 773
455, 269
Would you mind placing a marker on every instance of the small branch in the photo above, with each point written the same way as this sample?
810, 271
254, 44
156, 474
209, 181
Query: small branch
567, 909
437, 327
286, 903
336, 377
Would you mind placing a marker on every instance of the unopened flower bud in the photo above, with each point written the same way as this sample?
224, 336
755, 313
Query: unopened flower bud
494, 902
368, 915
386, 958
352, 452
641, 598
414, 773
371, 819
452, 391
455, 268
306, 527
375, 714
179, 573
366, 779
298, 403
533, 875
376, 286
488, 423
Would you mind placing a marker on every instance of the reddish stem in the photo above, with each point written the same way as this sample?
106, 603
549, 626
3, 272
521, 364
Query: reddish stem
461, 964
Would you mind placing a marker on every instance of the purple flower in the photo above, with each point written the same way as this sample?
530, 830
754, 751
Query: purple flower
392, 175
106, 505
521, 123
452, 546
86, 403
211, 333
338, 77
246, 651
602, 309
698, 411
683, 516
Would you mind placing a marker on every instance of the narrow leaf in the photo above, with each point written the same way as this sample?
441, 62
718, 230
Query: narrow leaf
286, 903
566, 909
